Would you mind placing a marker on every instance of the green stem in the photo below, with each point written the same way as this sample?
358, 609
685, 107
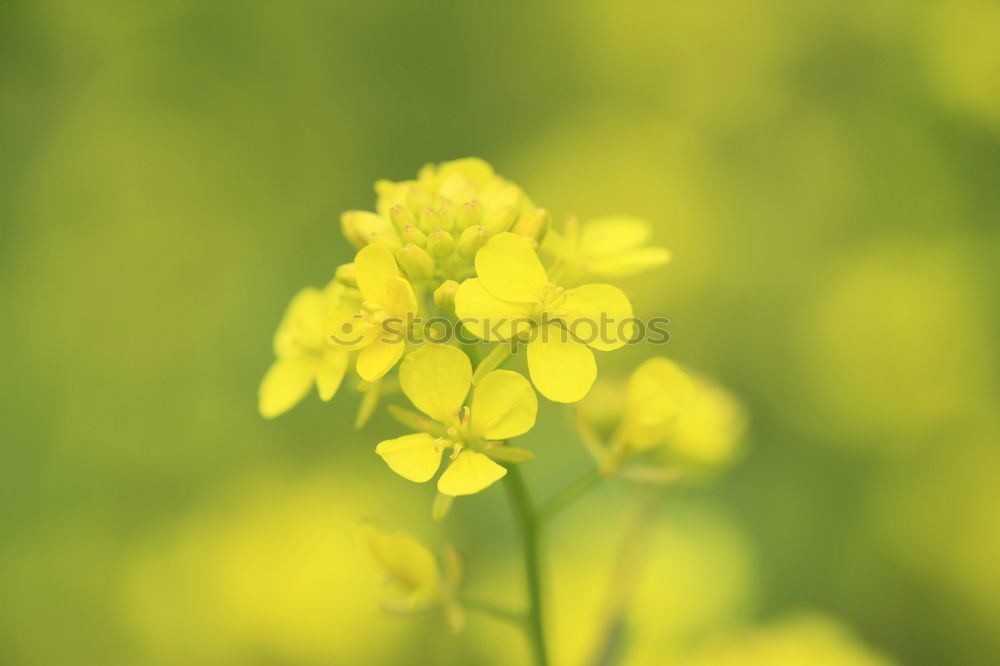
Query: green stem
527, 521
567, 495
493, 610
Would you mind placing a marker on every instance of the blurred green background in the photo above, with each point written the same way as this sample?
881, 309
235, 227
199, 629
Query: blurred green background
826, 174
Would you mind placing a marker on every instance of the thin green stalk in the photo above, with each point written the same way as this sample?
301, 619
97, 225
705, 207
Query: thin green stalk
527, 521
567, 495
493, 610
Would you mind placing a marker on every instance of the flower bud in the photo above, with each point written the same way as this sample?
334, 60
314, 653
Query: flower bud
358, 226
471, 240
500, 219
387, 238
412, 234
444, 296
533, 225
446, 216
440, 243
416, 262
346, 275
428, 219
402, 217
469, 214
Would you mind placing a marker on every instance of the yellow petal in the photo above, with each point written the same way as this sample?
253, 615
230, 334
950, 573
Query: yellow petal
378, 358
406, 563
598, 315
503, 406
400, 300
628, 262
510, 269
612, 234
285, 384
414, 457
330, 372
436, 379
301, 326
486, 316
373, 265
350, 330
562, 369
659, 393
470, 473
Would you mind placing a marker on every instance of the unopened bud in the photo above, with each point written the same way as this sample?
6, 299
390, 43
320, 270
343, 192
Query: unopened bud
469, 214
428, 219
440, 243
500, 219
346, 275
533, 225
446, 217
402, 217
471, 240
444, 296
416, 262
411, 234
358, 226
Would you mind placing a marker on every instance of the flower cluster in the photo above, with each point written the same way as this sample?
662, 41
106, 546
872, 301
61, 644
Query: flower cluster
461, 244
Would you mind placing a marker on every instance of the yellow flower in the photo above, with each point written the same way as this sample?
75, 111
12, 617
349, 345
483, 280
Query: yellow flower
412, 577
304, 355
436, 379
512, 296
690, 421
611, 246
388, 307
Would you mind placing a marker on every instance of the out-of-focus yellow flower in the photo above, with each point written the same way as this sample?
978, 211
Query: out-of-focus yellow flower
512, 297
412, 577
304, 355
611, 246
689, 420
388, 306
436, 379
801, 641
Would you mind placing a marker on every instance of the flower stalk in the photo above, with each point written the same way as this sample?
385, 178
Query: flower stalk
527, 519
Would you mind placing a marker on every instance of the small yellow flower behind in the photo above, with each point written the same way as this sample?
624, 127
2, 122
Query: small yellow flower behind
689, 421
412, 578
512, 296
378, 329
610, 247
304, 355
436, 379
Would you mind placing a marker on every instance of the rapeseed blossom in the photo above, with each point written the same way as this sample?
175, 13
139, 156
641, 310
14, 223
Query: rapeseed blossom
436, 379
378, 329
513, 297
304, 355
612, 246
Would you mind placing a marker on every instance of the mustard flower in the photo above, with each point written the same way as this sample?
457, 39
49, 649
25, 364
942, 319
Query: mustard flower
304, 355
688, 420
388, 306
512, 297
437, 379
610, 246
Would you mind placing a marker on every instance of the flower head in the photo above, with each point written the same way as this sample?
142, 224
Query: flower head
512, 297
437, 379
304, 355
378, 328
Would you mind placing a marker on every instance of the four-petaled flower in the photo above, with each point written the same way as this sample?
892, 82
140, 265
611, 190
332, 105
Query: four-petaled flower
388, 306
436, 379
304, 355
513, 297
